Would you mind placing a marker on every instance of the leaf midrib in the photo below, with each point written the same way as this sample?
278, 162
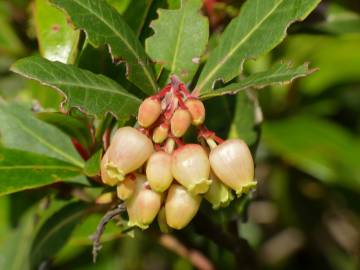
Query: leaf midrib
148, 75
226, 58
177, 45
48, 145
40, 167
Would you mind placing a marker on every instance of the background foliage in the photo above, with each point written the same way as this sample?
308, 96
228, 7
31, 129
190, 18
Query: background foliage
305, 213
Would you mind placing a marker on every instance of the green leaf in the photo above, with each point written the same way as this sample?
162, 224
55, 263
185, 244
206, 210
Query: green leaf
244, 122
260, 26
322, 149
136, 13
180, 39
19, 129
340, 21
14, 251
95, 94
278, 74
57, 40
20, 170
9, 41
104, 25
55, 232
75, 127
92, 165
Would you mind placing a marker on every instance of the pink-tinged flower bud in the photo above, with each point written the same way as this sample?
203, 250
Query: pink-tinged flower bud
232, 162
128, 151
197, 110
160, 133
218, 194
143, 205
104, 176
190, 167
149, 112
126, 188
158, 171
180, 122
180, 207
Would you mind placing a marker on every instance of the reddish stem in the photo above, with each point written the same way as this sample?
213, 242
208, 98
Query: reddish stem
163, 92
184, 90
81, 150
206, 134
106, 138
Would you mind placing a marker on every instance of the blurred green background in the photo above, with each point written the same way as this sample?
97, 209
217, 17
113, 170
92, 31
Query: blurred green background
305, 213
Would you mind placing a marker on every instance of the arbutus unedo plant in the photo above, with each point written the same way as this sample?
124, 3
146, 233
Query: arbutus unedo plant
137, 136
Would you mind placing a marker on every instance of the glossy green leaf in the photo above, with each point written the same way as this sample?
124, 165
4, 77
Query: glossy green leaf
260, 26
278, 74
95, 94
136, 13
57, 39
180, 39
55, 232
104, 25
20, 170
320, 148
19, 129
75, 127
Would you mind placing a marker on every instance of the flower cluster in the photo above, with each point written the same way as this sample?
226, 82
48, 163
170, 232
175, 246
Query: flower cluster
157, 174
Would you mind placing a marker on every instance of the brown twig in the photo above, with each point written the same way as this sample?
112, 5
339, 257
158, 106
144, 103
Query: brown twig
196, 258
96, 237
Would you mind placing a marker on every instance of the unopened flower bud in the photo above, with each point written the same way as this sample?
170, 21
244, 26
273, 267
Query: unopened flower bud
105, 198
180, 207
161, 133
126, 188
180, 122
158, 171
149, 112
232, 162
128, 151
104, 176
218, 194
197, 110
143, 205
190, 167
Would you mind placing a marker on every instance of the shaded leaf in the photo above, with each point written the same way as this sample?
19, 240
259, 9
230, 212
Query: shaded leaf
260, 26
92, 165
244, 122
9, 42
93, 93
19, 129
20, 170
278, 74
320, 148
73, 126
340, 21
136, 13
57, 39
55, 232
14, 251
104, 25
180, 39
